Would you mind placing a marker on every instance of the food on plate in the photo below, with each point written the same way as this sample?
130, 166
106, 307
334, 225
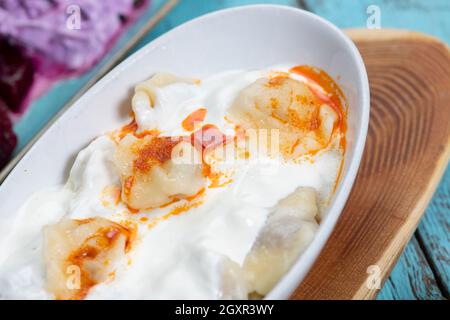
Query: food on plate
153, 173
88, 249
213, 190
287, 232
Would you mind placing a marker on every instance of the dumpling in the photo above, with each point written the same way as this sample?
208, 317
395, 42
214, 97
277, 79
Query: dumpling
82, 253
286, 234
158, 100
284, 99
145, 92
303, 121
156, 171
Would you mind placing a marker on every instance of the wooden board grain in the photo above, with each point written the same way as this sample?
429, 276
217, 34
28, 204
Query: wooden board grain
430, 17
407, 151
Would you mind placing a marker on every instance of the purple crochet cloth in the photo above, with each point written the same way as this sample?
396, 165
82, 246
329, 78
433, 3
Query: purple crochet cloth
43, 41
73, 34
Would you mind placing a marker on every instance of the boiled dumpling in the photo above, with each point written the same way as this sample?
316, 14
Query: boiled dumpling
82, 253
145, 93
158, 100
304, 123
158, 170
287, 232
284, 101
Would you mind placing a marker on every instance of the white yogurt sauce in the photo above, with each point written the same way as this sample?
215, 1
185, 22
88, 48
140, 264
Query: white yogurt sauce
181, 257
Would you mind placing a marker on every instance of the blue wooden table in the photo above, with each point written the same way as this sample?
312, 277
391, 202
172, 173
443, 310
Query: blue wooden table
423, 271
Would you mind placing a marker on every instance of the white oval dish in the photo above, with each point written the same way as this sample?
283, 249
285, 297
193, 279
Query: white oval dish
249, 37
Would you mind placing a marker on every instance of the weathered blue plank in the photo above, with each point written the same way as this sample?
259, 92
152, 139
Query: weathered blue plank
412, 277
434, 233
429, 16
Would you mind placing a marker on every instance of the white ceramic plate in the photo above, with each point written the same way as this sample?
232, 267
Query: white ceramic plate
240, 38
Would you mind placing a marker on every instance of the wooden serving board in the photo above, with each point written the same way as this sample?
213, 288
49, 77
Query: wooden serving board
407, 151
